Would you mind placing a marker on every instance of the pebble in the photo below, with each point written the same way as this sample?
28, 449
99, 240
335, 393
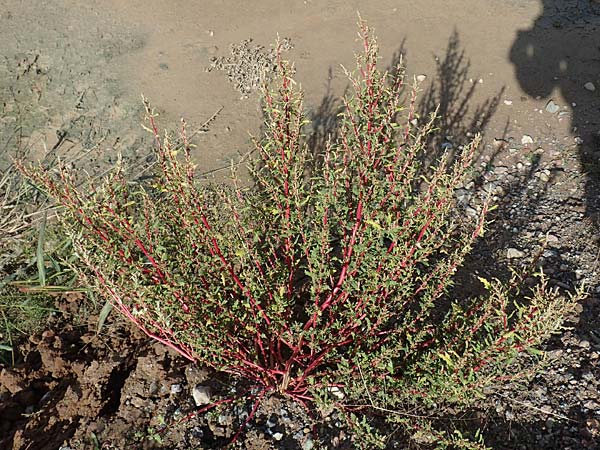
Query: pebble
336, 392
526, 139
421, 78
176, 389
471, 212
508, 102
308, 445
271, 423
591, 405
463, 195
500, 170
201, 395
552, 107
278, 436
590, 86
584, 344
514, 253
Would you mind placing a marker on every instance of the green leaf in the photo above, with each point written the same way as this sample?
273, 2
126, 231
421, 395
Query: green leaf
486, 284
446, 357
535, 351
373, 224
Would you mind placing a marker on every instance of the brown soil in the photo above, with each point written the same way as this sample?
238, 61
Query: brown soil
70, 84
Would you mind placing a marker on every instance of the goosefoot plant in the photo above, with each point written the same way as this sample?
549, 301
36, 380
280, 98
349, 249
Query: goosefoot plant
327, 279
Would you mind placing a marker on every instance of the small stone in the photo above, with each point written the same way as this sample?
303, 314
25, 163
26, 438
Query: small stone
552, 240
471, 212
588, 376
508, 102
499, 143
552, 107
547, 409
544, 177
336, 392
271, 423
578, 140
201, 395
278, 436
224, 419
584, 344
176, 389
590, 86
513, 253
500, 170
421, 78
526, 139
308, 444
591, 405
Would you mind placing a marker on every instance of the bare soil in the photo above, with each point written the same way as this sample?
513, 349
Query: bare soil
70, 86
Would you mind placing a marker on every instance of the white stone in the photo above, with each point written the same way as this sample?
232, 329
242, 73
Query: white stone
512, 253
590, 86
508, 102
201, 395
336, 392
278, 436
526, 139
421, 78
552, 107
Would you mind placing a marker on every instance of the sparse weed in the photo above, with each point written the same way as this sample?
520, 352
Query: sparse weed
326, 281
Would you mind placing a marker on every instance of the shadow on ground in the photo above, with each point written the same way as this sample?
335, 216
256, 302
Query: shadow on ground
560, 52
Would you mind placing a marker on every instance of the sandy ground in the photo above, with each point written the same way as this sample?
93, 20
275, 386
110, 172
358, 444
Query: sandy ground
162, 49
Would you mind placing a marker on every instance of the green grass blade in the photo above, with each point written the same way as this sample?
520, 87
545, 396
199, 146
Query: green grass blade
106, 309
40, 252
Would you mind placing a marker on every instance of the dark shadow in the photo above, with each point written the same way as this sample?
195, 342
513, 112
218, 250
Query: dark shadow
561, 51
